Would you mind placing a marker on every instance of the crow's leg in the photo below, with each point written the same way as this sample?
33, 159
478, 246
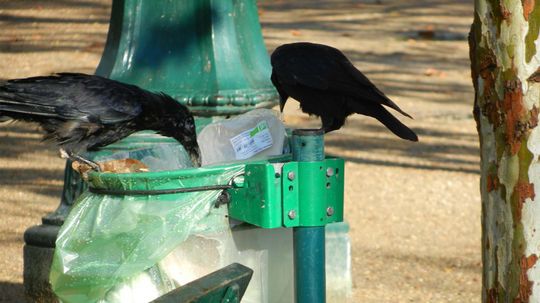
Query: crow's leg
327, 122
330, 123
73, 157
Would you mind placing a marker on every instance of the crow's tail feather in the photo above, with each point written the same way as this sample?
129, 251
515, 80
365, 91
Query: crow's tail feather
395, 126
378, 112
383, 99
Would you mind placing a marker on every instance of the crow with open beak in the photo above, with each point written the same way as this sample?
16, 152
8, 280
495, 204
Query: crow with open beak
84, 112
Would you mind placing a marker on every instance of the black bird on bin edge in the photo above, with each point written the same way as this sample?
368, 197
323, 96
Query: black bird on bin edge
84, 112
327, 85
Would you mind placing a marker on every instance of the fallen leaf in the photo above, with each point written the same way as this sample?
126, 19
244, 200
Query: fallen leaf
295, 32
430, 71
95, 46
14, 39
428, 32
434, 72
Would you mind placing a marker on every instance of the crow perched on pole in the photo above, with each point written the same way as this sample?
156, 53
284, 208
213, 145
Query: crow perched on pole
84, 112
327, 85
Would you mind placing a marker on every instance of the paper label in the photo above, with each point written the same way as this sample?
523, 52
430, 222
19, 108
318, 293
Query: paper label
252, 141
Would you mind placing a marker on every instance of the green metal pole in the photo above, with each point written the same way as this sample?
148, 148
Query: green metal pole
309, 252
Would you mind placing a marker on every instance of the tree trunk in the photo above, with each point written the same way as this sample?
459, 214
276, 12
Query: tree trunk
504, 62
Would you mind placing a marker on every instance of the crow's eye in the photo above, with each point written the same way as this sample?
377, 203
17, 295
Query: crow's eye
187, 125
191, 125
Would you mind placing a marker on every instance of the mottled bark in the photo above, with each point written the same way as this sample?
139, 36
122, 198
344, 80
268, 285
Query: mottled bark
505, 71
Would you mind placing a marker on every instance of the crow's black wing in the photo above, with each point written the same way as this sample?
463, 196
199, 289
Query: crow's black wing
371, 91
317, 66
72, 97
291, 66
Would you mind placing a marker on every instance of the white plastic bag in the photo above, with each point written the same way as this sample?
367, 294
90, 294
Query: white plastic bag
254, 135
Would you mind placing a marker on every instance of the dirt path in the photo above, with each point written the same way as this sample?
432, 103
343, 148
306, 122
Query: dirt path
414, 209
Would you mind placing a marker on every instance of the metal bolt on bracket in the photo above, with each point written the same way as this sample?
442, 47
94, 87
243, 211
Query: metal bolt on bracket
329, 172
292, 214
223, 198
330, 211
290, 175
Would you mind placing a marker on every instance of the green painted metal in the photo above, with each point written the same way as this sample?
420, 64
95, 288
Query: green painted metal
174, 179
258, 200
307, 145
231, 295
207, 54
289, 194
226, 285
290, 198
309, 264
309, 242
317, 194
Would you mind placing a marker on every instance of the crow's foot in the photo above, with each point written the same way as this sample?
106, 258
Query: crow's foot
74, 157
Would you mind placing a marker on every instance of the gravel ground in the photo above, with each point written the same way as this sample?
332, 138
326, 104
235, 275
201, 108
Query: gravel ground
414, 208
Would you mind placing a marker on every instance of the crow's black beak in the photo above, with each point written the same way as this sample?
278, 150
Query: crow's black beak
195, 156
282, 104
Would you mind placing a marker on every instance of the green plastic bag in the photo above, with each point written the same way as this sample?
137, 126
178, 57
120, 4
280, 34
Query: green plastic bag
109, 239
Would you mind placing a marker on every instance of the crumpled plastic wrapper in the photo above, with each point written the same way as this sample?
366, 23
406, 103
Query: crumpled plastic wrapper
234, 140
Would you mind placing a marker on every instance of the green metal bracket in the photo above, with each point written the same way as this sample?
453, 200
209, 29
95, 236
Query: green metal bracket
289, 194
226, 285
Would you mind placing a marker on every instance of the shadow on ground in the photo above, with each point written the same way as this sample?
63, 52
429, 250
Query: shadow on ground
12, 292
34, 25
455, 154
17, 140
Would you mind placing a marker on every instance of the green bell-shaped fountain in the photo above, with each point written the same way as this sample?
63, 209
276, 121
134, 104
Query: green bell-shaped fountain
207, 54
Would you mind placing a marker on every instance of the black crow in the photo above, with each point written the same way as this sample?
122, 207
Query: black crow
327, 85
84, 112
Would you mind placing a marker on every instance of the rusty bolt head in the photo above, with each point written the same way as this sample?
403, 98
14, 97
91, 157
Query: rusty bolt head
223, 198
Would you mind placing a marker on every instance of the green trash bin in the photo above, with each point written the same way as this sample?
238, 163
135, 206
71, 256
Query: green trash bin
125, 224
110, 238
